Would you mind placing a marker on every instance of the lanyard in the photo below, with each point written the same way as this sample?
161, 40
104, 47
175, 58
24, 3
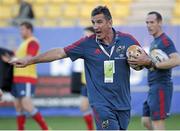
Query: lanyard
105, 52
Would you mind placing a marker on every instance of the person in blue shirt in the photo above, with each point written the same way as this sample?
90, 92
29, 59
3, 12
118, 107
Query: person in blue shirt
106, 68
156, 108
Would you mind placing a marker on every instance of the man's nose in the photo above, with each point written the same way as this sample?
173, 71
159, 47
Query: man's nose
148, 25
95, 26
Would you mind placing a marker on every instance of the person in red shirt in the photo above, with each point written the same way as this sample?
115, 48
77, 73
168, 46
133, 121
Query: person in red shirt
25, 79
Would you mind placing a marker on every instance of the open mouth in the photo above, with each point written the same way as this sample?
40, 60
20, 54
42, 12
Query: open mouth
98, 32
149, 30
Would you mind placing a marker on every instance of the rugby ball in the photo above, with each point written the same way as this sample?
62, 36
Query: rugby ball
133, 52
157, 55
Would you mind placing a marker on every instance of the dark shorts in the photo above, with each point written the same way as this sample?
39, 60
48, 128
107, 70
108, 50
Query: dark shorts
23, 90
107, 119
84, 91
157, 105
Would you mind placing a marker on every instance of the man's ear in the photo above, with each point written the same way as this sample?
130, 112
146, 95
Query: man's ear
110, 23
160, 23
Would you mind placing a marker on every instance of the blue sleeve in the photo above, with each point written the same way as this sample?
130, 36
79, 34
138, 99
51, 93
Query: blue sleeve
128, 38
169, 48
132, 40
75, 50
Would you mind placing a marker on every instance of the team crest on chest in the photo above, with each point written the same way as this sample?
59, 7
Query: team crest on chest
120, 50
105, 124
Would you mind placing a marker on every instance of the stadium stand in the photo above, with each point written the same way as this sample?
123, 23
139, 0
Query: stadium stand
176, 13
41, 1
8, 2
58, 1
40, 11
6, 15
51, 13
140, 8
65, 13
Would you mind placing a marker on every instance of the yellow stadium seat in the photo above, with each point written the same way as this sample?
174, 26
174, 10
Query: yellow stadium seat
175, 21
31, 1
74, 1
90, 1
120, 11
9, 2
85, 11
15, 10
6, 12
4, 23
71, 11
177, 10
40, 11
68, 23
54, 11
107, 4
121, 1
42, 1
177, 4
58, 1
104, 2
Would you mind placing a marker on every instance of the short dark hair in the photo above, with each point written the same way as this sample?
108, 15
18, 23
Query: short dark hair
28, 25
89, 28
158, 15
102, 10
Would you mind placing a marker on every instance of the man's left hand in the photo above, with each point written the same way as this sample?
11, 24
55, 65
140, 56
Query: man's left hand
141, 60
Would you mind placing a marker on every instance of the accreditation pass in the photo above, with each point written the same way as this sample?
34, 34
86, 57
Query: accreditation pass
109, 70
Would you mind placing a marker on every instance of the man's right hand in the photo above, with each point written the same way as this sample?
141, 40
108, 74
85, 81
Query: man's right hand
20, 63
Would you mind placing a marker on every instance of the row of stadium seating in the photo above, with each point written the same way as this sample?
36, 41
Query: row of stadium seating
64, 12
66, 9
52, 13
12, 2
176, 13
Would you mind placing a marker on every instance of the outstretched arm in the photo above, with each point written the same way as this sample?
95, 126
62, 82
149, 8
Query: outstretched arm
48, 56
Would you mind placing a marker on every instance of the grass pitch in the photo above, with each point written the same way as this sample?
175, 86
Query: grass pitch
77, 123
